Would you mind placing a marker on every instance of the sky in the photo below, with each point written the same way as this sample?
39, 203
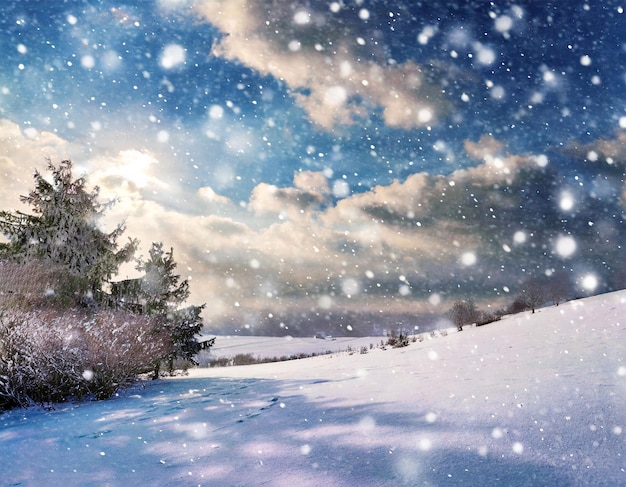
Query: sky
324, 156
534, 399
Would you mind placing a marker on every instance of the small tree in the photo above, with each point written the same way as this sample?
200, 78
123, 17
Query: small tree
463, 313
62, 229
162, 292
161, 289
183, 326
533, 293
557, 288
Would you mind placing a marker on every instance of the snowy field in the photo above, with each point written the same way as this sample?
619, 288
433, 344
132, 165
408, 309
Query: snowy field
269, 347
530, 400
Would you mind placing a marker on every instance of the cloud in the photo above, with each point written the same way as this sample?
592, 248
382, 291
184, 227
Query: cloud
312, 182
310, 192
475, 230
21, 152
467, 221
487, 147
130, 172
607, 159
207, 193
611, 152
331, 61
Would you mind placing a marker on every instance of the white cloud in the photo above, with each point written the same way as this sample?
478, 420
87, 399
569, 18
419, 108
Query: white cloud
207, 193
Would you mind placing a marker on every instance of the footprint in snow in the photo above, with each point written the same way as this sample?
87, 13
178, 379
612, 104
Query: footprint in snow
272, 402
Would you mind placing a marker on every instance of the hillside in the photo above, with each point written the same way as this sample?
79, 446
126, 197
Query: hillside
535, 399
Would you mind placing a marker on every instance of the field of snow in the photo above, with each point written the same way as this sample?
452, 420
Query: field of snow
535, 399
270, 347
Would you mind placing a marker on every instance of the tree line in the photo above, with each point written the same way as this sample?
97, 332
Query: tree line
534, 293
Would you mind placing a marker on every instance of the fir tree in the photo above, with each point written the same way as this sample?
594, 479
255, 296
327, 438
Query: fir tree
162, 292
161, 289
62, 229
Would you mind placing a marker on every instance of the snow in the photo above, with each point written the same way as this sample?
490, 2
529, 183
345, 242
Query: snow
269, 347
534, 399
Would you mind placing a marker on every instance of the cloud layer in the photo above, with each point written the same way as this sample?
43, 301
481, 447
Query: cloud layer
475, 231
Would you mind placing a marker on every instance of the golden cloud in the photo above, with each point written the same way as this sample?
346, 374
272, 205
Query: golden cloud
487, 147
21, 152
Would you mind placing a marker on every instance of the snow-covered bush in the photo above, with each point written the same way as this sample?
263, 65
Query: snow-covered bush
121, 346
51, 355
40, 360
398, 340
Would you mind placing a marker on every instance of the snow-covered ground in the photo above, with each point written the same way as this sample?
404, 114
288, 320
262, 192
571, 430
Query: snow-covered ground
270, 347
530, 400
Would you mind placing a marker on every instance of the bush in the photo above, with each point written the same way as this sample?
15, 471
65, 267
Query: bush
486, 318
122, 346
518, 305
249, 359
244, 359
49, 356
398, 341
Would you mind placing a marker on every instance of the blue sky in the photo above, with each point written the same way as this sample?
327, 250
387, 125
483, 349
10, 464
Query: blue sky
334, 154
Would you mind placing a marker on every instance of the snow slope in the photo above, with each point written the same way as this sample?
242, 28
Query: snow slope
270, 347
530, 400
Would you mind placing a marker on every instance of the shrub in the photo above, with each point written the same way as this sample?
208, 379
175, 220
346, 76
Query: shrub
249, 359
398, 341
49, 356
518, 305
486, 318
244, 359
219, 362
122, 346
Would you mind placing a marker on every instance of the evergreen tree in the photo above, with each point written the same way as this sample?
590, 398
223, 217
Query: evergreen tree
162, 293
161, 289
62, 229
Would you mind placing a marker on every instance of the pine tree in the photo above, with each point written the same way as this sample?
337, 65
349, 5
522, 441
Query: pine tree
62, 229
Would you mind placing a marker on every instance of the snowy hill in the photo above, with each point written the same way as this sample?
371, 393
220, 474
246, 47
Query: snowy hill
535, 399
270, 347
